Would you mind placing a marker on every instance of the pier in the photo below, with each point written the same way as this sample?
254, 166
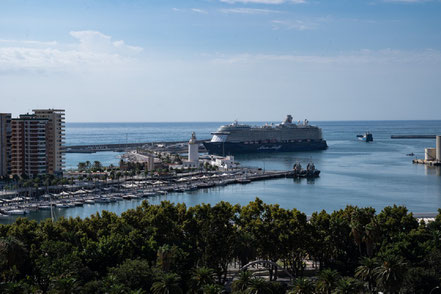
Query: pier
176, 146
413, 136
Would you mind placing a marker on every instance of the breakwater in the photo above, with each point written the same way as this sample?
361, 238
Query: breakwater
93, 148
413, 136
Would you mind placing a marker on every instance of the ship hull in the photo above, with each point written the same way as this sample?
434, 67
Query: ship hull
229, 148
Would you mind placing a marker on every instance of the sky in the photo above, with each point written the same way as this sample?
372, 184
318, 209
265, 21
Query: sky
221, 60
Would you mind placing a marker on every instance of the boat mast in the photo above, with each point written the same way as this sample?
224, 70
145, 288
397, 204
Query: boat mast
52, 208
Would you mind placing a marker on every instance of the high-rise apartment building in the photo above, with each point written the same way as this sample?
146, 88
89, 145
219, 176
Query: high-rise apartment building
28, 145
5, 144
54, 138
32, 144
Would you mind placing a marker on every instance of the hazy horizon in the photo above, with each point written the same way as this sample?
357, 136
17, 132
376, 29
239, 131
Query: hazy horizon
243, 121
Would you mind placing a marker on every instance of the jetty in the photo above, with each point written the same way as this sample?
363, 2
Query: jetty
427, 162
413, 136
432, 156
175, 146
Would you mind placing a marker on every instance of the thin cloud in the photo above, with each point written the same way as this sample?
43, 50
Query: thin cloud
94, 40
264, 1
298, 25
244, 10
407, 1
92, 50
386, 56
197, 10
29, 42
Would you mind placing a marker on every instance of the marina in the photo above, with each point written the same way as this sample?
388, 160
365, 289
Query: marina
134, 189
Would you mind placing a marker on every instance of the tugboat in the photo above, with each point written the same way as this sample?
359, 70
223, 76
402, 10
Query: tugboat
367, 137
310, 172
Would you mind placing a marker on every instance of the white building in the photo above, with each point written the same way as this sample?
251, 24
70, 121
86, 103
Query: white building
193, 148
193, 153
223, 162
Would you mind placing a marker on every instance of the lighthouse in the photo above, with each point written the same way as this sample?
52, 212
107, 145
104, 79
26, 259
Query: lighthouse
193, 149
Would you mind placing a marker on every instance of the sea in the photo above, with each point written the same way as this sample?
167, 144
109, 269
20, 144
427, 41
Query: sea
353, 172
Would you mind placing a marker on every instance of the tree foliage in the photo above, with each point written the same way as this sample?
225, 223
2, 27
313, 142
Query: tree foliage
169, 248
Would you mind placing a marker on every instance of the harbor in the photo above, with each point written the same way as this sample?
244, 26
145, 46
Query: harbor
133, 188
220, 147
376, 174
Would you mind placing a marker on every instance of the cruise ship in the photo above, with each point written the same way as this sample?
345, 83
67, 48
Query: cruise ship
287, 136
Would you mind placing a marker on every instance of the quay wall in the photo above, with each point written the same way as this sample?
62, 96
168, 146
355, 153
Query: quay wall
92, 148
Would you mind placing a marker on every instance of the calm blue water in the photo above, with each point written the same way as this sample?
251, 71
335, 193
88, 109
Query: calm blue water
373, 174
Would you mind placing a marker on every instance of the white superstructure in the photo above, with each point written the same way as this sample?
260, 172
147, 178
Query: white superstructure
283, 132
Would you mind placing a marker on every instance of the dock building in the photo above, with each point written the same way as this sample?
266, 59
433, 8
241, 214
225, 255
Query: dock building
432, 156
226, 163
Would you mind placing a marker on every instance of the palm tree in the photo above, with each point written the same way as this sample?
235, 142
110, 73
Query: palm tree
347, 285
81, 166
167, 284
366, 271
243, 282
302, 286
212, 289
202, 276
327, 280
390, 274
364, 228
259, 286
12, 255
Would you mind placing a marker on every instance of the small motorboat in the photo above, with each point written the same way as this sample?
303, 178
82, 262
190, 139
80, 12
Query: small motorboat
62, 205
101, 200
410, 154
16, 212
366, 137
